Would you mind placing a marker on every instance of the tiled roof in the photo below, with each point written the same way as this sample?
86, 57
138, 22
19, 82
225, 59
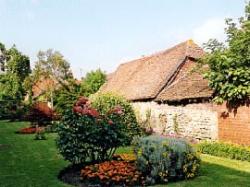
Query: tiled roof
146, 78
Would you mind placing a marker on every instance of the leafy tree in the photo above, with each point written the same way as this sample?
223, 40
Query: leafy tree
229, 73
52, 65
66, 96
17, 63
93, 81
15, 67
10, 86
11, 95
2, 57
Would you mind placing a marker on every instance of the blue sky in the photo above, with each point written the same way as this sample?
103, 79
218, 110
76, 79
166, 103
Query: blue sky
102, 34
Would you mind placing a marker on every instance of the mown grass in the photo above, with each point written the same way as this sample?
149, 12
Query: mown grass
25, 162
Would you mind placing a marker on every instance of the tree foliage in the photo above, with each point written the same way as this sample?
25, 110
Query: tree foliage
69, 92
66, 96
2, 57
14, 68
229, 73
10, 86
52, 66
93, 81
17, 63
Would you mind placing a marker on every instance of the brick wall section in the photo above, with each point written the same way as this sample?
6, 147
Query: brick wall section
234, 126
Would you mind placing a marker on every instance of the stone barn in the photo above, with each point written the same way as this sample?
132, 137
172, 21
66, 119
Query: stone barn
170, 87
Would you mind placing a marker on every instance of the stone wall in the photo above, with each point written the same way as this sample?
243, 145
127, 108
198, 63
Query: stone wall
196, 121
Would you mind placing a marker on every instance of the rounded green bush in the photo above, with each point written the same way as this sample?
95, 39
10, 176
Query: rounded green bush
162, 159
103, 103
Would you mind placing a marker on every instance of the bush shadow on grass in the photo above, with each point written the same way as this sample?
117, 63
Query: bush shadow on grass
215, 175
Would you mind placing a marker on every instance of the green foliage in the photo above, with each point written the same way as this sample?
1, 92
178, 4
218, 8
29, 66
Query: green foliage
104, 102
226, 150
16, 67
11, 109
18, 64
229, 65
11, 95
51, 64
2, 57
93, 81
162, 159
69, 92
66, 96
87, 136
10, 87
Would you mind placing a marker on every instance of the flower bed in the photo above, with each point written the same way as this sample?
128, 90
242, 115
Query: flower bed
27, 130
88, 137
112, 173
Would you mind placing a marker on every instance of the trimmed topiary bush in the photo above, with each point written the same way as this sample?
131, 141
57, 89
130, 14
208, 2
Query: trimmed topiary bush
86, 135
226, 150
104, 102
161, 159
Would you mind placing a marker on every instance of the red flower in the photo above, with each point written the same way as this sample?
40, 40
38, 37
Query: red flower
110, 122
85, 111
81, 101
93, 112
77, 109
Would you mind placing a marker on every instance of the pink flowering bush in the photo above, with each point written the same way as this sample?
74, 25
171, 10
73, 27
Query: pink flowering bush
85, 135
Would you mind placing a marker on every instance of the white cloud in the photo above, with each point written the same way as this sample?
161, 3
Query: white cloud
212, 28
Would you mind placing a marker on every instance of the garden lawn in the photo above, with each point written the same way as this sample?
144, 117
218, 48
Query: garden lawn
25, 162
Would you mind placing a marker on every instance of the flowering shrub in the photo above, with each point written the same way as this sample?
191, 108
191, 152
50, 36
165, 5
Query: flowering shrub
85, 135
104, 102
112, 173
162, 159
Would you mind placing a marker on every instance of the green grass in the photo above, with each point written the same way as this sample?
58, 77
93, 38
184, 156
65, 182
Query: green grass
25, 162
